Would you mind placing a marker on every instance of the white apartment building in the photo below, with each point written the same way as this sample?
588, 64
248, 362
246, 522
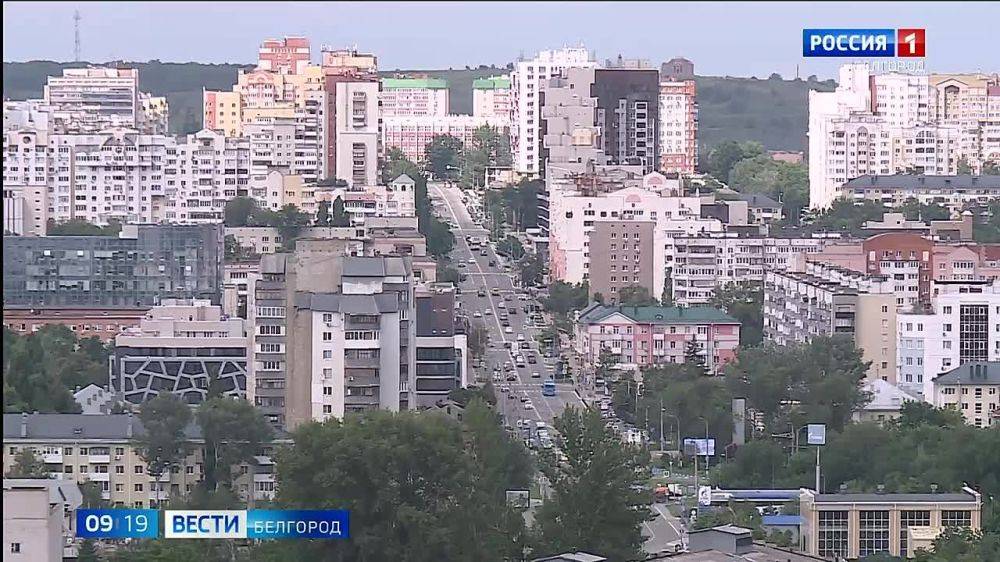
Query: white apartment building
678, 126
204, 171
525, 83
973, 390
103, 97
491, 98
577, 201
895, 123
699, 264
357, 132
413, 134
398, 199
412, 97
952, 192
963, 326
39, 519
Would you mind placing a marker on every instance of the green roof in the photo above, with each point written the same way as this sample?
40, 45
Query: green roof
428, 83
658, 314
491, 83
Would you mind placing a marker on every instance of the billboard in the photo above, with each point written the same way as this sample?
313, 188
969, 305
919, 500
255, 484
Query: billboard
700, 447
816, 434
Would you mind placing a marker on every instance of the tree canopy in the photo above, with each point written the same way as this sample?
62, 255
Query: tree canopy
724, 156
163, 445
782, 181
743, 300
443, 156
234, 432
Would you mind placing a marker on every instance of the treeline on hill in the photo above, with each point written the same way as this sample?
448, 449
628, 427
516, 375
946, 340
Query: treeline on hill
772, 111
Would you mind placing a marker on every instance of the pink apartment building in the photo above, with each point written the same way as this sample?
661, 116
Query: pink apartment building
644, 336
288, 56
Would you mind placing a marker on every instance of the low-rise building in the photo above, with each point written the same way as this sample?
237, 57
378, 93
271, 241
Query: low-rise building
413, 97
39, 521
412, 134
952, 192
643, 336
886, 402
852, 526
972, 390
80, 448
184, 348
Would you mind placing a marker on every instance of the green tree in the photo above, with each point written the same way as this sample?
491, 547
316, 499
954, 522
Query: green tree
407, 479
323, 214
915, 414
532, 270
234, 432
962, 545
87, 552
694, 357
688, 399
726, 154
236, 251
340, 216
80, 227
288, 221
564, 297
489, 148
607, 360
27, 464
448, 274
782, 181
593, 507
443, 155
963, 166
92, 495
990, 168
635, 295
240, 211
163, 444
667, 297
792, 385
743, 300
913, 210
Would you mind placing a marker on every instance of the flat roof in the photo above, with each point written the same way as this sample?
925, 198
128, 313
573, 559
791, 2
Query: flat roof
895, 498
426, 83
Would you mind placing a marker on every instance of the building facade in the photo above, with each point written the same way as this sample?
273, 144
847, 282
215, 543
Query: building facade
852, 526
39, 520
678, 108
952, 192
442, 356
628, 113
973, 390
525, 82
491, 98
650, 335
412, 134
134, 270
414, 97
182, 347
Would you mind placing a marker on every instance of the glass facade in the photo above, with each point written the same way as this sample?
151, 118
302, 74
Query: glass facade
873, 532
911, 518
956, 518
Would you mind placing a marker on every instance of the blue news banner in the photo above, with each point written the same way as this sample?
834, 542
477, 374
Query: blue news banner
213, 524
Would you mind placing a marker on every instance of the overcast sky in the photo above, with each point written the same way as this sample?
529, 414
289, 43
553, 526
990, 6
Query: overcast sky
738, 39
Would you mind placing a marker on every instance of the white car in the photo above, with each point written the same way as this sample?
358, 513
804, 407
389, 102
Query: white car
528, 405
508, 330
489, 312
472, 261
477, 314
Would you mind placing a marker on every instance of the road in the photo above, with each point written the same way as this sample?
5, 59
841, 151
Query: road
480, 274
661, 532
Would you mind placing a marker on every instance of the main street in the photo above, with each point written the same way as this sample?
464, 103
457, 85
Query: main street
481, 275
663, 531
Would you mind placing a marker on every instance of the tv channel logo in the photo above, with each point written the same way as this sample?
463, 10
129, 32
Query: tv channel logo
875, 43
203, 524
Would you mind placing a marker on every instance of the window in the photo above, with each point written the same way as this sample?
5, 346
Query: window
15, 548
119, 451
327, 409
956, 518
139, 469
68, 469
119, 470
874, 532
119, 487
327, 354
327, 317
138, 487
327, 336
189, 470
832, 533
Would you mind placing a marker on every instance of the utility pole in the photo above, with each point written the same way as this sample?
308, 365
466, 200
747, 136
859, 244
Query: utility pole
76, 35
661, 424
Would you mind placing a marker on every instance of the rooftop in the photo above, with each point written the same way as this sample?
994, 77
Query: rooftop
982, 372
911, 182
494, 83
428, 83
657, 314
758, 201
966, 497
886, 396
78, 426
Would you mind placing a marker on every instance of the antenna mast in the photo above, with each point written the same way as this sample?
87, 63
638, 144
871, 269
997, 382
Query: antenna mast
76, 35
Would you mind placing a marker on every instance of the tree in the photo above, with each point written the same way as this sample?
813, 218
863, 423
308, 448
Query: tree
240, 211
478, 338
340, 216
489, 148
27, 464
234, 432
607, 361
448, 274
163, 444
962, 545
288, 221
532, 270
789, 386
916, 414
236, 251
694, 357
635, 295
667, 297
726, 154
565, 297
782, 181
963, 166
407, 479
91, 492
80, 227
87, 552
323, 214
913, 210
743, 300
593, 507
990, 168
442, 155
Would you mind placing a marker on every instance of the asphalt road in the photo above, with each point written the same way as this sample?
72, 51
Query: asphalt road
448, 202
663, 531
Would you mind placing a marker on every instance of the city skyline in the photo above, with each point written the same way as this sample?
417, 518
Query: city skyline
413, 36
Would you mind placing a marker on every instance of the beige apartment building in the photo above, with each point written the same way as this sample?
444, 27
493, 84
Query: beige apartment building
973, 390
852, 526
99, 448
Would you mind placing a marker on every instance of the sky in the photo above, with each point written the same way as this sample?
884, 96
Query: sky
722, 38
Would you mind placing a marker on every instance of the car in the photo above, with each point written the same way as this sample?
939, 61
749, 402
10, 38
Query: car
484, 253
512, 310
508, 330
536, 375
525, 345
524, 398
477, 314
532, 359
504, 388
508, 298
520, 337
462, 265
511, 378
507, 365
511, 396
493, 263
472, 261
481, 293
528, 405
501, 305
489, 312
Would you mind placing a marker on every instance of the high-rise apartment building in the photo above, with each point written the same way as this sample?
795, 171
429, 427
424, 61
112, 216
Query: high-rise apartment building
414, 97
678, 126
896, 123
442, 358
182, 347
103, 97
628, 112
290, 55
491, 98
525, 121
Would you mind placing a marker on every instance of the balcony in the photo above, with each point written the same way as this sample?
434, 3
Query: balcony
99, 477
52, 458
99, 459
165, 477
263, 477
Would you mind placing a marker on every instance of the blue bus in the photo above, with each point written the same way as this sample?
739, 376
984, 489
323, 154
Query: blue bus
549, 387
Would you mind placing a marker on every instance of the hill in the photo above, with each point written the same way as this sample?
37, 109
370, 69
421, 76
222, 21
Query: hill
772, 111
